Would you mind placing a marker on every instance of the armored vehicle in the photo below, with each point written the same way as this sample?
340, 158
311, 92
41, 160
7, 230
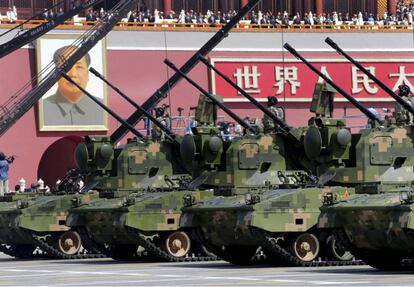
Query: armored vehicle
141, 186
135, 208
36, 219
141, 173
376, 223
283, 219
270, 172
264, 193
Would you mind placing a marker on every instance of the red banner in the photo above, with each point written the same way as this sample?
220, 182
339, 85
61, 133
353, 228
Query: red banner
293, 81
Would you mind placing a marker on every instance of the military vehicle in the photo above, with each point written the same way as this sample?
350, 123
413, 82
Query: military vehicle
260, 168
37, 221
283, 220
141, 187
137, 176
376, 222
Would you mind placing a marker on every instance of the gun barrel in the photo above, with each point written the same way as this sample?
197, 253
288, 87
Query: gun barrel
401, 101
207, 94
130, 127
129, 100
364, 110
283, 126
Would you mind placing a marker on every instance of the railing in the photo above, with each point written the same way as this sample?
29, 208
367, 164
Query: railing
81, 23
178, 124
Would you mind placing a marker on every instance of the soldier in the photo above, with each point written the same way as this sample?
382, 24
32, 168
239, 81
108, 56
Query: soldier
268, 124
371, 123
163, 117
402, 115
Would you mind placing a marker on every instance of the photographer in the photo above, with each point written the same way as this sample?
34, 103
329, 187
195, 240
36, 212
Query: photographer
4, 173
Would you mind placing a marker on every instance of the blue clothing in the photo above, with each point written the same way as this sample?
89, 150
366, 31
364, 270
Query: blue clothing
4, 170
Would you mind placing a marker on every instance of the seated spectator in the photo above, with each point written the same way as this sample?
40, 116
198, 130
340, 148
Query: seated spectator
60, 12
181, 17
285, 21
211, 19
371, 20
11, 16
200, 18
170, 15
102, 13
45, 15
91, 16
296, 19
51, 15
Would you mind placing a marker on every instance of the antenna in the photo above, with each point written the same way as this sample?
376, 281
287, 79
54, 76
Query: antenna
168, 76
283, 65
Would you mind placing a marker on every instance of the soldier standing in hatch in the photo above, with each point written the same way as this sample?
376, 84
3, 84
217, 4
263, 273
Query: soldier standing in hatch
163, 117
268, 124
402, 115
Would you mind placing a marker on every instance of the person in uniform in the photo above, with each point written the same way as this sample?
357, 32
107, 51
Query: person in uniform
163, 117
269, 125
403, 116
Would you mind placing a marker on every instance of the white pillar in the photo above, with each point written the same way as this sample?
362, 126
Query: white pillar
22, 183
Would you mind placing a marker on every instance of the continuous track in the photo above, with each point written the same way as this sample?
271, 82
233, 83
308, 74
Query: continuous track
270, 244
42, 249
152, 251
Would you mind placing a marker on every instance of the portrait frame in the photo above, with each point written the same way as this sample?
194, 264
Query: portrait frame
45, 49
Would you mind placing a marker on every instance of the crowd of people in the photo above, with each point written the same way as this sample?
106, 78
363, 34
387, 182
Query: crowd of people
403, 16
269, 18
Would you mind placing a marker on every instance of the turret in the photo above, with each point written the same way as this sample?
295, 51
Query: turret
140, 164
254, 160
373, 156
325, 142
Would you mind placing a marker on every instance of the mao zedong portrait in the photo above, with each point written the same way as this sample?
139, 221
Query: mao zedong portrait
68, 106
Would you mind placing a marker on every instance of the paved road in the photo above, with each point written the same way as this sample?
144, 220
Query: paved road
106, 272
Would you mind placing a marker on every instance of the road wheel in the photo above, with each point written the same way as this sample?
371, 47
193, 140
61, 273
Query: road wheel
177, 244
337, 251
306, 247
69, 243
